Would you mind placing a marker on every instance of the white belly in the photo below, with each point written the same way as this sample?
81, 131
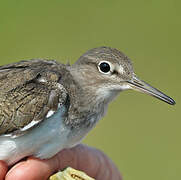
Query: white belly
43, 141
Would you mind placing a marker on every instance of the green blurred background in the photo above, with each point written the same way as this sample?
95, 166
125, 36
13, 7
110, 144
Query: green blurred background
140, 134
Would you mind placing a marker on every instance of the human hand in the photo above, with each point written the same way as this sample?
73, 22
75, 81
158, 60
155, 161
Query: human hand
92, 161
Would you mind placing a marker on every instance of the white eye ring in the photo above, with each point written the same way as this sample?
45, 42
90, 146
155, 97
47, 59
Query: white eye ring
105, 67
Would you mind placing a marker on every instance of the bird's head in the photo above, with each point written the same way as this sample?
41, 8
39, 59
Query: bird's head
108, 71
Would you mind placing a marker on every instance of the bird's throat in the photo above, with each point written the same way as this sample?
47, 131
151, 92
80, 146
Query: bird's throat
88, 103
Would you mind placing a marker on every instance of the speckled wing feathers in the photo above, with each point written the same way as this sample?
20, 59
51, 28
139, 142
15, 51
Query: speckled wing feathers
28, 91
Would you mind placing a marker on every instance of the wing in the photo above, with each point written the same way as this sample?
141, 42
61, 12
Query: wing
30, 91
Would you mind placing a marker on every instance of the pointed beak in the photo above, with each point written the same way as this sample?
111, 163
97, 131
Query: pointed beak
142, 86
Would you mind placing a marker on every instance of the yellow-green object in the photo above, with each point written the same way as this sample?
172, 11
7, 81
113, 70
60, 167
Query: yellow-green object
70, 174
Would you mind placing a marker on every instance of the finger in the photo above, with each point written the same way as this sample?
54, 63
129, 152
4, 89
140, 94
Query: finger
92, 161
3, 170
31, 169
34, 169
84, 158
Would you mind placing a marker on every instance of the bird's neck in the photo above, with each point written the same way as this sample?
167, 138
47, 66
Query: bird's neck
86, 108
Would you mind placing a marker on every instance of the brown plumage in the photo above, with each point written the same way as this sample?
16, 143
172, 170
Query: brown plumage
28, 90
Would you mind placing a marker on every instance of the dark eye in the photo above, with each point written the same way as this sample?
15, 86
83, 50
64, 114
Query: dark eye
104, 67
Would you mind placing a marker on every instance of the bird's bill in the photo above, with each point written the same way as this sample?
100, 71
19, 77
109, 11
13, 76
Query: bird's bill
142, 86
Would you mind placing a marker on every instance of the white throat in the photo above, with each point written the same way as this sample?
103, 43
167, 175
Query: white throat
107, 93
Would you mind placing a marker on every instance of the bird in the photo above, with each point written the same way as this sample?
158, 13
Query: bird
47, 106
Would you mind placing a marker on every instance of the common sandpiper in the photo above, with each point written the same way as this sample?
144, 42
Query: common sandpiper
46, 106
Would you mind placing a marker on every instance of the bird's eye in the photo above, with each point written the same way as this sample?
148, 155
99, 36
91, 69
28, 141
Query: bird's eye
104, 67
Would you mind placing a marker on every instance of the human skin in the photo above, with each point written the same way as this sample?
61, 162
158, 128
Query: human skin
92, 161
